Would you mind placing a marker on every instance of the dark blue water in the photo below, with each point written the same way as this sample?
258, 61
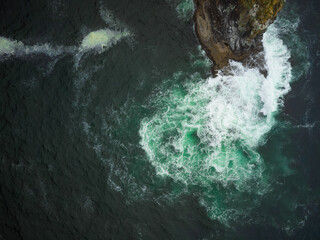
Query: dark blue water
78, 82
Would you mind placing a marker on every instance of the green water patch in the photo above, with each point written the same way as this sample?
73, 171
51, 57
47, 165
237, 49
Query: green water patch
209, 150
184, 8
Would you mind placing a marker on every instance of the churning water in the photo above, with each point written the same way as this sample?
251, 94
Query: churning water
206, 134
114, 128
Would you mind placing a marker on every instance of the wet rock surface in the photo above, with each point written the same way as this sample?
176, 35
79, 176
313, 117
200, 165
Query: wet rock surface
233, 29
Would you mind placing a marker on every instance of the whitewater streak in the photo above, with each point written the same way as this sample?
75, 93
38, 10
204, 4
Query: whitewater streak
99, 41
96, 42
206, 133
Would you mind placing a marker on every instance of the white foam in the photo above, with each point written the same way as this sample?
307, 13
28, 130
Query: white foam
276, 85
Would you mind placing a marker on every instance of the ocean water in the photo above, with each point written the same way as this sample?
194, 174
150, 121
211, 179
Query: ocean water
112, 126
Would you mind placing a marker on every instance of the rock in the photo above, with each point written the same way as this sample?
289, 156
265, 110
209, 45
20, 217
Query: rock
233, 29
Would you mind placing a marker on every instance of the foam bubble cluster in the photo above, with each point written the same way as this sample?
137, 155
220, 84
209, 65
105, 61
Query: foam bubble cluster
101, 39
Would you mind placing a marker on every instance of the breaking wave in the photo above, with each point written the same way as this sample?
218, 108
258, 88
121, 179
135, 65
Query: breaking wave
206, 134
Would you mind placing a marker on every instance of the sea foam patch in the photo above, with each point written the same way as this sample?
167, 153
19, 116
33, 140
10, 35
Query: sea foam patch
98, 42
102, 39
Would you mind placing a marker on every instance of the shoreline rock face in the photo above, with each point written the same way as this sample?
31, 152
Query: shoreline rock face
233, 29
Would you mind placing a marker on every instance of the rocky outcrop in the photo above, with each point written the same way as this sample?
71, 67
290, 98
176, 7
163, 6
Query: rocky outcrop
232, 29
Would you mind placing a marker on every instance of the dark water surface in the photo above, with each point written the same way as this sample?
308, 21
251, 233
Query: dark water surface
77, 163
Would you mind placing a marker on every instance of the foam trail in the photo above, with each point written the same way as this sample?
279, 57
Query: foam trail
96, 42
13, 48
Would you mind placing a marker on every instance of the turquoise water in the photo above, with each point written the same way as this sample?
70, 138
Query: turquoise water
112, 126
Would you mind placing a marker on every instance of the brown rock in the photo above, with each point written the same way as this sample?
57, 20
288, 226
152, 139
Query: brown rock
232, 29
